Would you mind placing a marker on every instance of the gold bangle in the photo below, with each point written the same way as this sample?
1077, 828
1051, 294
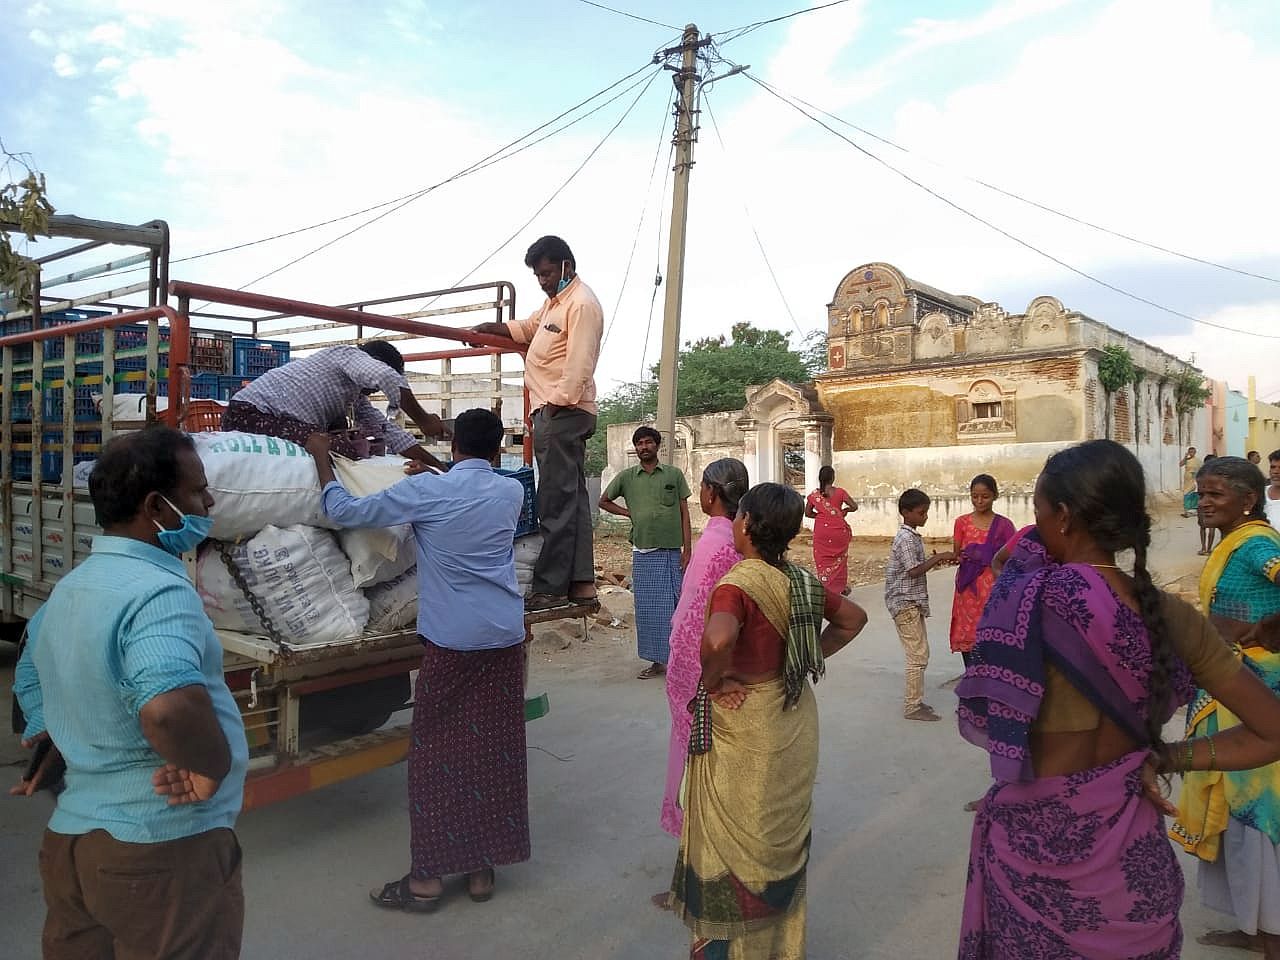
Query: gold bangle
1191, 755
1213, 752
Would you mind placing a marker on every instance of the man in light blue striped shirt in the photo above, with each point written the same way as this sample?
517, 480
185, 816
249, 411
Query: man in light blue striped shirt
123, 673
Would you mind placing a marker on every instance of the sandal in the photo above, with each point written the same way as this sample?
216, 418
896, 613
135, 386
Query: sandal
485, 893
399, 895
537, 602
651, 672
922, 712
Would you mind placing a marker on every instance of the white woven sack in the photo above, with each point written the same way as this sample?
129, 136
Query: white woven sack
299, 576
256, 481
394, 605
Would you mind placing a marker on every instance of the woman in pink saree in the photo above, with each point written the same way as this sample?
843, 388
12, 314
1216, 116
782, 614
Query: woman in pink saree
723, 484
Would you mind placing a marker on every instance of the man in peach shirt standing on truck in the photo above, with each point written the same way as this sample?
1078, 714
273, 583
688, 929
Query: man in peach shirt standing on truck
559, 371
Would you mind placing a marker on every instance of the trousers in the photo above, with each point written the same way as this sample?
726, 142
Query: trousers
915, 649
111, 900
564, 509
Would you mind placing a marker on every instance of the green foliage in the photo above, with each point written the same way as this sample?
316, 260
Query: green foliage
814, 352
714, 375
1115, 369
24, 209
1189, 392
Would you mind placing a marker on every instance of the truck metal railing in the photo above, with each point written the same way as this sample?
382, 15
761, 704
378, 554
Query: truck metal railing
408, 326
37, 435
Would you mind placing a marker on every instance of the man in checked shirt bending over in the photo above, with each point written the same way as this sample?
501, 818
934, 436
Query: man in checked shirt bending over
309, 395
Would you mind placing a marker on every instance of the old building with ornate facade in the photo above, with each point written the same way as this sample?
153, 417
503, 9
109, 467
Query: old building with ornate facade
926, 388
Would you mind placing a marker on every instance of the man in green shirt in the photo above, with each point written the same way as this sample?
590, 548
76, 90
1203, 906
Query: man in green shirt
657, 497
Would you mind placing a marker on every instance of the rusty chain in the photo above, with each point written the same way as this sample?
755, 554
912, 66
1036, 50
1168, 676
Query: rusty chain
226, 552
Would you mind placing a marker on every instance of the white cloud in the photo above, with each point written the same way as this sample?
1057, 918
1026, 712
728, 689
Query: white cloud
64, 66
40, 38
1234, 357
108, 35
108, 65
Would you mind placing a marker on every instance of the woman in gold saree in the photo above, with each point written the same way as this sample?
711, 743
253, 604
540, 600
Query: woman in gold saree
753, 750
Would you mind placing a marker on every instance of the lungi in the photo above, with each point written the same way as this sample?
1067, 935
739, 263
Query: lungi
468, 771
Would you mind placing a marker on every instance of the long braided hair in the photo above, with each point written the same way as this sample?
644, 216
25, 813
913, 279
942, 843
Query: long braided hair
1103, 486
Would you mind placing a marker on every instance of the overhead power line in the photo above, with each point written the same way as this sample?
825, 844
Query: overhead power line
750, 223
480, 165
483, 163
560, 189
623, 13
738, 32
657, 269
635, 242
998, 229
1033, 203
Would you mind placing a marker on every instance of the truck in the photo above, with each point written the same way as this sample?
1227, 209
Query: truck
314, 714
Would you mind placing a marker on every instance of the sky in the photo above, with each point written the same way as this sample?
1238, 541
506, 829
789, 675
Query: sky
242, 119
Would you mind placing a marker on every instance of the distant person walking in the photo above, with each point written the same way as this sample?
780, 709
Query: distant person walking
827, 507
978, 537
1190, 464
657, 497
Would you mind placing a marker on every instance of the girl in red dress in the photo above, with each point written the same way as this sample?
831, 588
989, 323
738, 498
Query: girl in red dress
978, 538
827, 507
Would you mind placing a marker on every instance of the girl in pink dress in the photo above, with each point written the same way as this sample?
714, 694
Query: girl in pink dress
827, 507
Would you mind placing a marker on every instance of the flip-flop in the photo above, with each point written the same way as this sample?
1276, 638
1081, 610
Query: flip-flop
652, 672
399, 895
537, 602
482, 896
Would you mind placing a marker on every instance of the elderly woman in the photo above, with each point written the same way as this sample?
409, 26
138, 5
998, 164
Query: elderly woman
753, 752
1231, 821
1078, 665
723, 484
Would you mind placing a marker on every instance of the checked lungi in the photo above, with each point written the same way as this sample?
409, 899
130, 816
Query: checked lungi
468, 771
655, 583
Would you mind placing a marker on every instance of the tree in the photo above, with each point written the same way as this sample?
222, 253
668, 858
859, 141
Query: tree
1115, 372
1189, 394
24, 209
714, 375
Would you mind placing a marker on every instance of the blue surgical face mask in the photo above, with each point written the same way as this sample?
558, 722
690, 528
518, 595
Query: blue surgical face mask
193, 532
564, 281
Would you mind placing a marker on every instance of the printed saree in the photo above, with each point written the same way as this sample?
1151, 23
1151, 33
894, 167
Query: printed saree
713, 556
739, 881
1078, 865
1210, 798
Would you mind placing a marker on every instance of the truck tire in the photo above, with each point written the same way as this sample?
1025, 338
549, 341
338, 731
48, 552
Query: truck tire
358, 709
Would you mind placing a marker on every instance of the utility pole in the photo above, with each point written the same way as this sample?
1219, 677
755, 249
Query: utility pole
685, 134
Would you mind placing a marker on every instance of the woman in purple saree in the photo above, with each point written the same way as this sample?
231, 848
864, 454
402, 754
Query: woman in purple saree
1077, 666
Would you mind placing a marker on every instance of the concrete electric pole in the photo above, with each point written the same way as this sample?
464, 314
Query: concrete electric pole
686, 133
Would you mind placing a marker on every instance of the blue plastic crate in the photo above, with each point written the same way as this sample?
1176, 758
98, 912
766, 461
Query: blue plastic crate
91, 342
86, 408
120, 386
206, 386
21, 354
20, 404
51, 452
20, 464
228, 387
252, 357
528, 522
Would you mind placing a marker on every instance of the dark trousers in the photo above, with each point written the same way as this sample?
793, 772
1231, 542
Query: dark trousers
564, 510
110, 900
